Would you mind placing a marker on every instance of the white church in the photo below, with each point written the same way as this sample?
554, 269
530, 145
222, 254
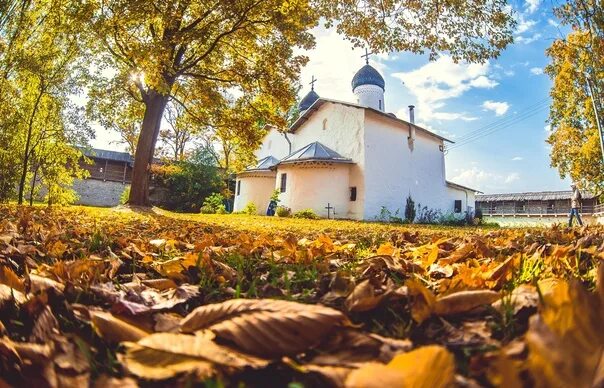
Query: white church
351, 160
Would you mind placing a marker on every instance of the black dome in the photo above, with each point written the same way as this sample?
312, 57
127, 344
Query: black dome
367, 75
308, 100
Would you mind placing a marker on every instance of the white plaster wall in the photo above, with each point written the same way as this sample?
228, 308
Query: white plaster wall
343, 133
455, 193
370, 95
256, 188
274, 144
313, 187
393, 170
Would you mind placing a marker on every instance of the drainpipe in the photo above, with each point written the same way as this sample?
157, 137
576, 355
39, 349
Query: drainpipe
411, 138
289, 142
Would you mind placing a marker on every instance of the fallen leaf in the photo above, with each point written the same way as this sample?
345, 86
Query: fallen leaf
463, 301
266, 327
428, 366
164, 355
114, 329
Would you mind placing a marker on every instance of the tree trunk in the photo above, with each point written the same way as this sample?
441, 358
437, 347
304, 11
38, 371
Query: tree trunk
155, 104
33, 187
27, 152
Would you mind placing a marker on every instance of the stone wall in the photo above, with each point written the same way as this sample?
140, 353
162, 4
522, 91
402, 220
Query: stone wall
95, 192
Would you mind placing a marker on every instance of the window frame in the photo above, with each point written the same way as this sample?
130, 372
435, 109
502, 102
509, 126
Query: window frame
353, 193
283, 182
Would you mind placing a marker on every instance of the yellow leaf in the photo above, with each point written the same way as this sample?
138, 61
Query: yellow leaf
386, 249
426, 367
9, 278
423, 300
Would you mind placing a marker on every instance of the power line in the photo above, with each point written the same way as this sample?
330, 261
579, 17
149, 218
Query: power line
499, 125
507, 117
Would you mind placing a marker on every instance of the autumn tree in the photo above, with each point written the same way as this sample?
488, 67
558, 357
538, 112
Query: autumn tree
248, 45
574, 137
40, 65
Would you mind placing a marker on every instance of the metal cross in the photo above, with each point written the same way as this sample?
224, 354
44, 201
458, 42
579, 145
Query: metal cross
312, 83
329, 207
366, 56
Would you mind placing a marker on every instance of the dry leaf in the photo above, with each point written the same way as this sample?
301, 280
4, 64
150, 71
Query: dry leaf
566, 340
429, 367
464, 301
164, 355
114, 329
266, 327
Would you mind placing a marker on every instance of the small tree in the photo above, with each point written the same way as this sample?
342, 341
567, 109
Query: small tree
410, 209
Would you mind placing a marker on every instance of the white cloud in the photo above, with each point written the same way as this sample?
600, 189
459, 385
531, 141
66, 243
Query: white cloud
532, 5
524, 25
528, 40
509, 73
334, 62
548, 128
536, 70
499, 107
441, 80
553, 23
517, 158
485, 180
512, 177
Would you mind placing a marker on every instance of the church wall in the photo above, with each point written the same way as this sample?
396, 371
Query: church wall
274, 144
256, 188
314, 186
393, 171
467, 197
340, 128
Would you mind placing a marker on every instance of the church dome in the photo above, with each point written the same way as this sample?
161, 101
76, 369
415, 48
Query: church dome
308, 100
367, 75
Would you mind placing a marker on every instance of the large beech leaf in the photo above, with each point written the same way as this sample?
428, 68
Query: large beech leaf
427, 367
566, 340
165, 355
266, 327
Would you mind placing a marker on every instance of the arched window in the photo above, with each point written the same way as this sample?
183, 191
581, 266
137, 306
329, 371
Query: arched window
380, 104
324, 124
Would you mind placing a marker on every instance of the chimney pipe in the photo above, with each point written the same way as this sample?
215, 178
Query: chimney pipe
411, 114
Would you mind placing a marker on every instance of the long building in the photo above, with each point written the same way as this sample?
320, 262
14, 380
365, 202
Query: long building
536, 204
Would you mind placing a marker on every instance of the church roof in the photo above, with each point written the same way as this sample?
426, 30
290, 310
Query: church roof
461, 187
368, 75
315, 152
308, 100
317, 104
265, 163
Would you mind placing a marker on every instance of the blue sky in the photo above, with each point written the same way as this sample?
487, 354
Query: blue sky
508, 95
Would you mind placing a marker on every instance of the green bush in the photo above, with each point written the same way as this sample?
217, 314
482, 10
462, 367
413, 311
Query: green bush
125, 195
250, 209
213, 203
283, 211
188, 181
205, 209
306, 213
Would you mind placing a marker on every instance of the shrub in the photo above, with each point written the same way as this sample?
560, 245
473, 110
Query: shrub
250, 209
213, 203
427, 216
188, 181
306, 213
125, 195
206, 209
275, 196
283, 211
387, 216
410, 209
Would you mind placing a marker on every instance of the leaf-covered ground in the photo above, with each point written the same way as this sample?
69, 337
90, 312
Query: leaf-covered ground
110, 297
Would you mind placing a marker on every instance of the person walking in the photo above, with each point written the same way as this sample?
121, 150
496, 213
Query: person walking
575, 205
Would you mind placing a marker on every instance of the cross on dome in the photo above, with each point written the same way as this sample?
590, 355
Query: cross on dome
312, 83
366, 56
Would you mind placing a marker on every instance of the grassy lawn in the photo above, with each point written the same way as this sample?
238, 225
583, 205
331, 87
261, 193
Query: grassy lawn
127, 285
